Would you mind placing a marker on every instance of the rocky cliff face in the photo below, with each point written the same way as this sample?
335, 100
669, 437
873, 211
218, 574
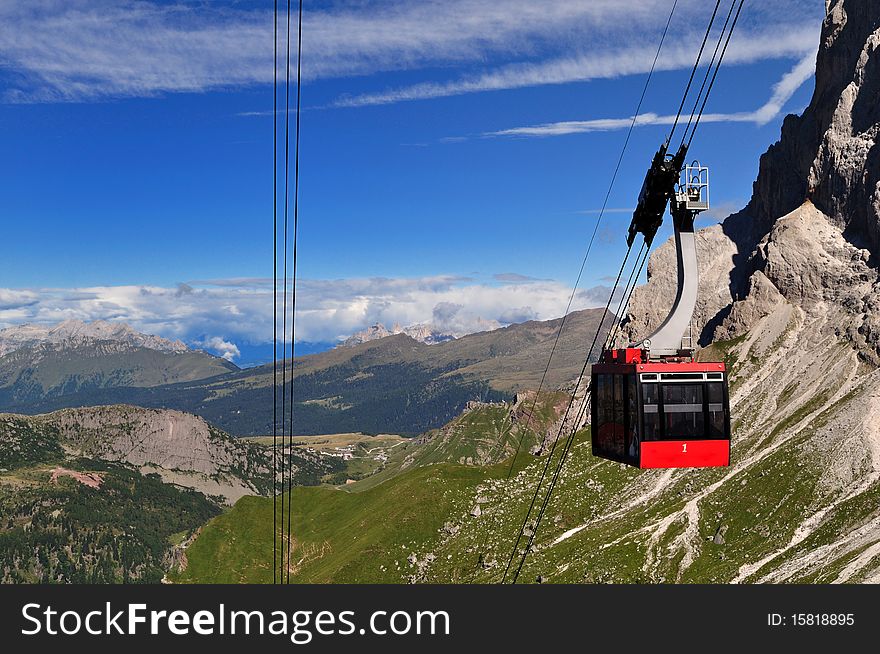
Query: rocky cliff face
829, 155
182, 448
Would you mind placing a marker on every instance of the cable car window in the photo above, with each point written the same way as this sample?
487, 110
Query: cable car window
683, 411
676, 376
602, 405
632, 440
619, 410
651, 411
715, 398
604, 393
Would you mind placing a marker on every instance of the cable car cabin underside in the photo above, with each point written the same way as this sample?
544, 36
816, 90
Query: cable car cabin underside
660, 414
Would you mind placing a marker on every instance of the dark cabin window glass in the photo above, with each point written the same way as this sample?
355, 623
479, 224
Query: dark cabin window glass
683, 411
715, 399
606, 399
632, 423
651, 411
605, 412
619, 410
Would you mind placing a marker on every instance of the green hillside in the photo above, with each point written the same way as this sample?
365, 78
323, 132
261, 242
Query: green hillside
64, 531
424, 515
75, 520
798, 504
32, 375
339, 536
364, 532
104, 495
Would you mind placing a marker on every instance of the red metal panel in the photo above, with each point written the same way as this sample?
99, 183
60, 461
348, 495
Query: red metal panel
690, 366
685, 454
659, 366
624, 355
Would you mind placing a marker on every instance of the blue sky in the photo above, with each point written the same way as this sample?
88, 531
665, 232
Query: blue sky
453, 154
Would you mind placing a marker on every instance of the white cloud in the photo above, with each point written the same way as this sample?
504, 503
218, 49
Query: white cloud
606, 62
224, 348
222, 313
785, 88
782, 93
12, 300
76, 50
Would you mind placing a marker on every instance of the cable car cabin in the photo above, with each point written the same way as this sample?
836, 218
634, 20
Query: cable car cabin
659, 414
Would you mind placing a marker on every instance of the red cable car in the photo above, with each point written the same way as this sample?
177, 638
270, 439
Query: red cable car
660, 414
652, 404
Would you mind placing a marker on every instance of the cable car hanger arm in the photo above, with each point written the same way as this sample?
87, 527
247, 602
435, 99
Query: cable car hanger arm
686, 199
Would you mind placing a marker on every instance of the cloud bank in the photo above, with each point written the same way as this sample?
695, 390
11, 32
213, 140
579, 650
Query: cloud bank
602, 63
222, 314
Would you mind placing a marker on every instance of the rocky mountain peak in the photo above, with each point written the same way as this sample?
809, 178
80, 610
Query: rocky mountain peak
829, 154
422, 332
76, 333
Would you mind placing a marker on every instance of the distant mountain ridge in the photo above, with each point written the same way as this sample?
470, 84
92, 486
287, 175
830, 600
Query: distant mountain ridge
76, 333
394, 384
39, 362
422, 332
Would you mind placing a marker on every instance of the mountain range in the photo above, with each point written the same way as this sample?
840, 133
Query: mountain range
38, 363
71, 334
789, 299
421, 332
393, 384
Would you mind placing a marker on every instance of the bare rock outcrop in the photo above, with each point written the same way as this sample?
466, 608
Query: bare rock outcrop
182, 447
829, 154
650, 303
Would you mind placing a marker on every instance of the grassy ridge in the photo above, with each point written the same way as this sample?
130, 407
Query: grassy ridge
602, 525
366, 532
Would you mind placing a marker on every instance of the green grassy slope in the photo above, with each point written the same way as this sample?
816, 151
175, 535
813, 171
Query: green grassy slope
798, 504
369, 536
365, 531
338, 536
